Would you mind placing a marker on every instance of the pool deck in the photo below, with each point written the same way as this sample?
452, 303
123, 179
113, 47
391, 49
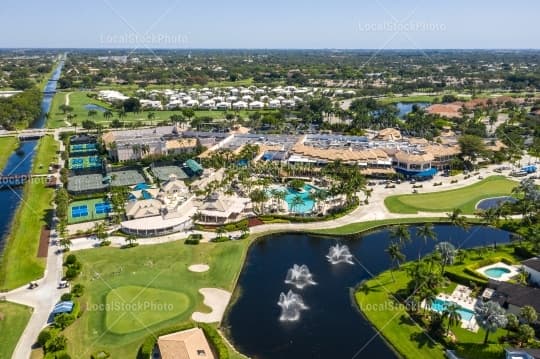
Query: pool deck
462, 297
514, 271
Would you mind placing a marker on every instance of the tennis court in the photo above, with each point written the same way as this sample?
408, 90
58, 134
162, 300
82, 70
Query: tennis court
79, 163
88, 210
86, 184
79, 211
82, 148
126, 178
164, 172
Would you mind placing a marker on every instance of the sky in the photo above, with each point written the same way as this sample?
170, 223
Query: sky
343, 24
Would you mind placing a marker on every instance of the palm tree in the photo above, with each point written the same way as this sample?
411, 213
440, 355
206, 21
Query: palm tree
451, 312
131, 239
296, 202
151, 116
447, 252
401, 234
429, 297
394, 251
107, 114
426, 232
457, 219
491, 317
65, 243
220, 231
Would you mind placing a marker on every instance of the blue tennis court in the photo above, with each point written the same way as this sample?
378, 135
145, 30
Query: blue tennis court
89, 210
103, 207
79, 211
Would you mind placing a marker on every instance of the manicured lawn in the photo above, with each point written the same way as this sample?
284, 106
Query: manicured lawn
46, 155
377, 303
150, 306
20, 264
408, 99
392, 320
8, 145
358, 227
162, 269
13, 320
464, 198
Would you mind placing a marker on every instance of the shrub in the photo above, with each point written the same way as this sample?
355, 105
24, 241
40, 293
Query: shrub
192, 241
216, 341
71, 273
77, 290
64, 320
221, 239
105, 243
66, 296
70, 260
44, 336
56, 344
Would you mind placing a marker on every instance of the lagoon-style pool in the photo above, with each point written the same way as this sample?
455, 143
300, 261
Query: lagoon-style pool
331, 325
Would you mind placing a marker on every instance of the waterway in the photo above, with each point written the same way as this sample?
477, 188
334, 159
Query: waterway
20, 162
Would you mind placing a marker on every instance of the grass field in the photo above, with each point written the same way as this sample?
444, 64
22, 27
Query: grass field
79, 99
464, 198
13, 320
376, 301
143, 276
408, 99
7, 146
46, 155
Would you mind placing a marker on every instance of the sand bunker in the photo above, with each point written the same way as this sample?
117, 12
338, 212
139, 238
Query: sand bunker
217, 299
198, 268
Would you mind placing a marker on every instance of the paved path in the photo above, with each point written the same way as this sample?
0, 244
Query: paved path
42, 299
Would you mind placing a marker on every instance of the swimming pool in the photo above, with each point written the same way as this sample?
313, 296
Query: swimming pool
496, 272
304, 206
439, 305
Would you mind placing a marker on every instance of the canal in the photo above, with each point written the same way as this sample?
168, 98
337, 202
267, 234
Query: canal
20, 162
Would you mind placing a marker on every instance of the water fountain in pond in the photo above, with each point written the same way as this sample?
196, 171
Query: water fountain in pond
291, 305
299, 276
339, 254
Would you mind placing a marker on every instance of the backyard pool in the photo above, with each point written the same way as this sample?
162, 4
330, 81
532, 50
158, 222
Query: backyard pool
496, 272
440, 305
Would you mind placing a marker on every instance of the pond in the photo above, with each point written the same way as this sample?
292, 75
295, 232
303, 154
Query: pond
331, 326
95, 107
406, 108
488, 203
